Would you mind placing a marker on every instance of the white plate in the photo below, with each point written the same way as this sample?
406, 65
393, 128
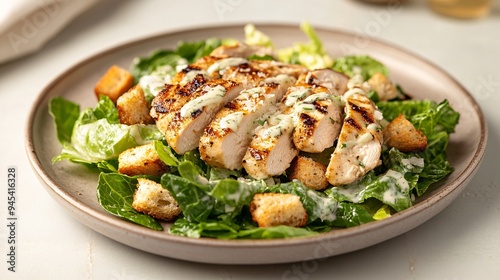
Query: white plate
74, 187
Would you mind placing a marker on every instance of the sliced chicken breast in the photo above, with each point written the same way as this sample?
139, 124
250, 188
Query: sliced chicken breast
359, 145
271, 150
306, 105
183, 130
318, 123
184, 127
227, 137
199, 67
332, 80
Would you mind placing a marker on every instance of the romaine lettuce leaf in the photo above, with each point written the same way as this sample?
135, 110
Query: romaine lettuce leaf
255, 37
196, 204
393, 187
115, 194
437, 122
64, 115
225, 230
312, 54
363, 65
319, 207
97, 135
100, 140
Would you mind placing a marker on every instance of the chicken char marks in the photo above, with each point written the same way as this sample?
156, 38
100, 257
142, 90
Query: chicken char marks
308, 119
259, 114
360, 142
183, 110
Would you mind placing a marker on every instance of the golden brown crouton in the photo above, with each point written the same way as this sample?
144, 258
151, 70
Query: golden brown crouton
152, 199
384, 88
273, 209
309, 172
141, 160
133, 107
402, 135
114, 83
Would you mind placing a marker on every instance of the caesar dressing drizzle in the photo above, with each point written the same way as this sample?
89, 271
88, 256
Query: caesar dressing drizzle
225, 63
213, 95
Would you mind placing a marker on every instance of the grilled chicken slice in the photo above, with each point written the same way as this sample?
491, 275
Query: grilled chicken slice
227, 137
199, 67
303, 117
318, 123
360, 142
183, 128
271, 150
332, 80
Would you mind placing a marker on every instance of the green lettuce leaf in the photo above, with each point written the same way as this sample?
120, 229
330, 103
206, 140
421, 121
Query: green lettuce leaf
393, 187
97, 135
99, 141
115, 194
311, 54
196, 204
318, 206
364, 65
437, 121
64, 115
224, 230
255, 37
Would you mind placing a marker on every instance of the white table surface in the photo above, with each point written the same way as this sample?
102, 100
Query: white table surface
462, 242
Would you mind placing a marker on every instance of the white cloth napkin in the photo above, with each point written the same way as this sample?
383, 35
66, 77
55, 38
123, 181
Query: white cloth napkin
26, 25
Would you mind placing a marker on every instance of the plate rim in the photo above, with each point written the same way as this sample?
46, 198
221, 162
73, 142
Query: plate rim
61, 195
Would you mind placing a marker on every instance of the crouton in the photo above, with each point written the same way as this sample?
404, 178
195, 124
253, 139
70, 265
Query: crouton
141, 160
133, 107
402, 135
152, 199
309, 172
273, 209
384, 88
114, 83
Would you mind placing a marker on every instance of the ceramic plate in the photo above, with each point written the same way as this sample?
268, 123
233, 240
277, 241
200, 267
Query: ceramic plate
74, 187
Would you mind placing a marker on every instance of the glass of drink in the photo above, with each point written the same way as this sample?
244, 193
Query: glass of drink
461, 8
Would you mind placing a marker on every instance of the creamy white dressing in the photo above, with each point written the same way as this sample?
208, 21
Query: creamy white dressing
189, 76
153, 84
280, 79
225, 63
413, 161
353, 91
326, 209
213, 95
296, 95
232, 121
181, 64
394, 179
364, 138
355, 81
398, 177
378, 115
373, 127
317, 97
135, 132
354, 192
284, 125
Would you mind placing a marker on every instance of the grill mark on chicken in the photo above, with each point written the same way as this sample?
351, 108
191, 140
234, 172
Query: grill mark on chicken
232, 128
353, 123
359, 145
257, 154
366, 116
307, 120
